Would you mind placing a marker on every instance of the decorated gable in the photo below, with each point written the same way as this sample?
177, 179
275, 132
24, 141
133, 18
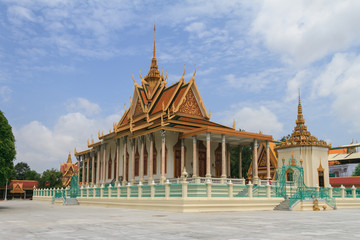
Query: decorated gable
190, 105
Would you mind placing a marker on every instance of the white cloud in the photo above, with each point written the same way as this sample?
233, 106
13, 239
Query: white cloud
44, 147
340, 83
306, 31
85, 106
253, 119
5, 93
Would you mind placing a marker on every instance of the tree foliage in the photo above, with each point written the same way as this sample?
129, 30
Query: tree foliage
287, 137
7, 150
50, 178
32, 175
357, 171
246, 161
20, 170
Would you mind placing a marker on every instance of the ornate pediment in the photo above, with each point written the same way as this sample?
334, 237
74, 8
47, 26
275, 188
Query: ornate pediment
190, 105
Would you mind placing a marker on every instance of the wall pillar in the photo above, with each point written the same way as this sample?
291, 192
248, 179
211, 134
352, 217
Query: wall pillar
151, 166
208, 163
223, 156
132, 161
83, 171
117, 172
255, 163
142, 148
124, 162
78, 168
240, 161
92, 168
98, 166
163, 152
104, 164
87, 170
182, 155
195, 168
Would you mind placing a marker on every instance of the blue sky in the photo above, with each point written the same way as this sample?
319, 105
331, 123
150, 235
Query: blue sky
66, 66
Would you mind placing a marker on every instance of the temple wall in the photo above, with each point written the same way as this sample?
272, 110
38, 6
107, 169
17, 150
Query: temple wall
311, 156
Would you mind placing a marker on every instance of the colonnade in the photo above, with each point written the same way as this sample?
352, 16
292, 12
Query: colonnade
99, 166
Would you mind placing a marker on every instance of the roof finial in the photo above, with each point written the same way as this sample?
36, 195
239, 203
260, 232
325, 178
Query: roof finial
299, 97
154, 42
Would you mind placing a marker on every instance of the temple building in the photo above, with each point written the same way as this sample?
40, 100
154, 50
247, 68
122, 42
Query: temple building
343, 160
164, 134
67, 169
312, 153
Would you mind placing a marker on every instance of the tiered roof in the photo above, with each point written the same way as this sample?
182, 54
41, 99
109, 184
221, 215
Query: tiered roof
301, 136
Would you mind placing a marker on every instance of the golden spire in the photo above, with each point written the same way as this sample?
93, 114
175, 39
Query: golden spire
300, 120
154, 56
153, 75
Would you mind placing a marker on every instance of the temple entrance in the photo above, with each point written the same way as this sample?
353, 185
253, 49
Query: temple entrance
137, 157
127, 167
321, 178
218, 153
202, 160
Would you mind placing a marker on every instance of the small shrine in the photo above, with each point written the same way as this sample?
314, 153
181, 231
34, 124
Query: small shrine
67, 169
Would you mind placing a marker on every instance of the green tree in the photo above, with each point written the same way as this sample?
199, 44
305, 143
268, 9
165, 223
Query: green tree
7, 150
20, 170
357, 171
285, 138
32, 175
50, 178
246, 161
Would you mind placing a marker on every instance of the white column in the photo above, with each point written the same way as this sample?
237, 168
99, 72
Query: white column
117, 172
98, 166
163, 152
195, 168
124, 161
92, 168
255, 162
182, 155
223, 156
87, 170
142, 142
78, 168
151, 166
240, 161
104, 164
132, 161
83, 170
208, 163
267, 160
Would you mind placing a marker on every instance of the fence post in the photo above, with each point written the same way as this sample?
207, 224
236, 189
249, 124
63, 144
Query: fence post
109, 191
140, 190
87, 191
184, 188
208, 188
128, 191
118, 190
342, 191
152, 190
230, 189
268, 190
167, 189
94, 191
330, 191
250, 190
101, 190
353, 191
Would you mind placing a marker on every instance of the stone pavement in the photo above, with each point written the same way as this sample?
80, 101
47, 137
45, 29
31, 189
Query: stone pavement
41, 220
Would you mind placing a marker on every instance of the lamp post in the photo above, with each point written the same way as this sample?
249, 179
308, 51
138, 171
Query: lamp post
6, 189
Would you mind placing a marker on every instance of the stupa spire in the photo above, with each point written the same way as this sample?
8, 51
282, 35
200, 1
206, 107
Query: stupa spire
300, 120
153, 75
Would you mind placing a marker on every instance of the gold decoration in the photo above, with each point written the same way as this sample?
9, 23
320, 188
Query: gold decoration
316, 205
138, 109
190, 105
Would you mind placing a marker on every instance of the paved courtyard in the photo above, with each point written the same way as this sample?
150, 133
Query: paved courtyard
39, 220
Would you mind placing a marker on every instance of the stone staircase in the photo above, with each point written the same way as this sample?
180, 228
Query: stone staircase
283, 206
71, 201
